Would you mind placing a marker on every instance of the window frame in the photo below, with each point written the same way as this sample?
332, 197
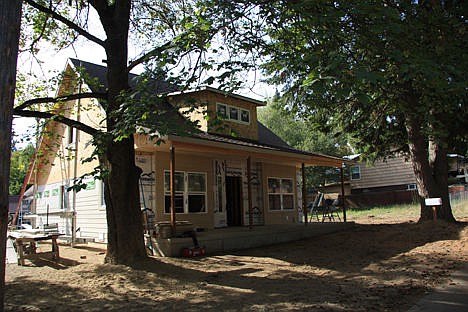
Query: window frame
279, 191
186, 193
248, 116
71, 136
351, 173
227, 114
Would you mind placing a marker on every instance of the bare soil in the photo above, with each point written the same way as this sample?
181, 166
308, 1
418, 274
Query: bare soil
371, 267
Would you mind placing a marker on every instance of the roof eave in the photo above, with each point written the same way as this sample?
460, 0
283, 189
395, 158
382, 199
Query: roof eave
224, 93
306, 159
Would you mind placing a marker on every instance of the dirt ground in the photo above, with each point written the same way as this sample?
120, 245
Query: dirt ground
371, 267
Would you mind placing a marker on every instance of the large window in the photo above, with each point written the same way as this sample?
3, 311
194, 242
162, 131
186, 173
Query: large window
233, 113
280, 194
355, 173
190, 192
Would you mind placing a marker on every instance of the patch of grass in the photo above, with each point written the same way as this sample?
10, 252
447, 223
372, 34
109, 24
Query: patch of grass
403, 212
396, 212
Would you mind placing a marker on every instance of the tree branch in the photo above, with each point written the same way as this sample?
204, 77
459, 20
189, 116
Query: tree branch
149, 55
67, 22
70, 97
58, 118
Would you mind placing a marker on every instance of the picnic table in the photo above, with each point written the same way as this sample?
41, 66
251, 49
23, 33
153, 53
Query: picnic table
25, 243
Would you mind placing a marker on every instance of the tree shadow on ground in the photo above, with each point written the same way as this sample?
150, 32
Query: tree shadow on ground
226, 291
276, 278
46, 260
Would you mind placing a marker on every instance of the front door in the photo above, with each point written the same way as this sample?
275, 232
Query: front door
234, 201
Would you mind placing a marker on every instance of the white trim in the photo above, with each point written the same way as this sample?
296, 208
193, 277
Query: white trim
281, 194
186, 193
351, 172
227, 116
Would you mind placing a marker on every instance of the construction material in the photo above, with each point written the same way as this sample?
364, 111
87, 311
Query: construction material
196, 250
25, 243
193, 252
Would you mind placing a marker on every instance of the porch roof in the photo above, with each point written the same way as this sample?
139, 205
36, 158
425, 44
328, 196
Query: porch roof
223, 144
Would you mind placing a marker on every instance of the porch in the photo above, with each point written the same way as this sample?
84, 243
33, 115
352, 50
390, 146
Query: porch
238, 238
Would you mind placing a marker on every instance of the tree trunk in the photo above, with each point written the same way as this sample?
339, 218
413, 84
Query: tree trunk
125, 228
430, 166
10, 22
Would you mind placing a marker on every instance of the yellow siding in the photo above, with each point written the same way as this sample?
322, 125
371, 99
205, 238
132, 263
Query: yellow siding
207, 103
279, 217
188, 163
59, 162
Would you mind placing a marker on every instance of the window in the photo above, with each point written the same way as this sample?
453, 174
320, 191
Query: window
280, 194
190, 192
412, 186
71, 137
245, 116
221, 110
233, 113
355, 173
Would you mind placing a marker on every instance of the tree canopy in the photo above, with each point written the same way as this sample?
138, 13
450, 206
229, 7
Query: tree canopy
390, 74
302, 135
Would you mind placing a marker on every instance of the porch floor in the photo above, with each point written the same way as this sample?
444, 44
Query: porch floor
237, 238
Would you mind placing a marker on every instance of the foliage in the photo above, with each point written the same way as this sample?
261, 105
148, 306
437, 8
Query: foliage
20, 160
390, 74
356, 65
299, 134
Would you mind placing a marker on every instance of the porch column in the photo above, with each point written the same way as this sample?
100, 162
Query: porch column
304, 194
249, 190
343, 192
172, 186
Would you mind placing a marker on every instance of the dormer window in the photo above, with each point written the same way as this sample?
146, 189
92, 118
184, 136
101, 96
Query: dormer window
233, 113
245, 116
221, 110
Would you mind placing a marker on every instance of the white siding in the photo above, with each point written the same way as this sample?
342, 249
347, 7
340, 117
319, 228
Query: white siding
90, 213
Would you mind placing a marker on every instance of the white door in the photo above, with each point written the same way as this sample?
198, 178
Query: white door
219, 190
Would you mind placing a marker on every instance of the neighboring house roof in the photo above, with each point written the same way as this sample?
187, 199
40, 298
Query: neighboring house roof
267, 140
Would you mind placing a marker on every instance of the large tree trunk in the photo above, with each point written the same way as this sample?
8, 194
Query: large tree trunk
125, 228
10, 21
430, 166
